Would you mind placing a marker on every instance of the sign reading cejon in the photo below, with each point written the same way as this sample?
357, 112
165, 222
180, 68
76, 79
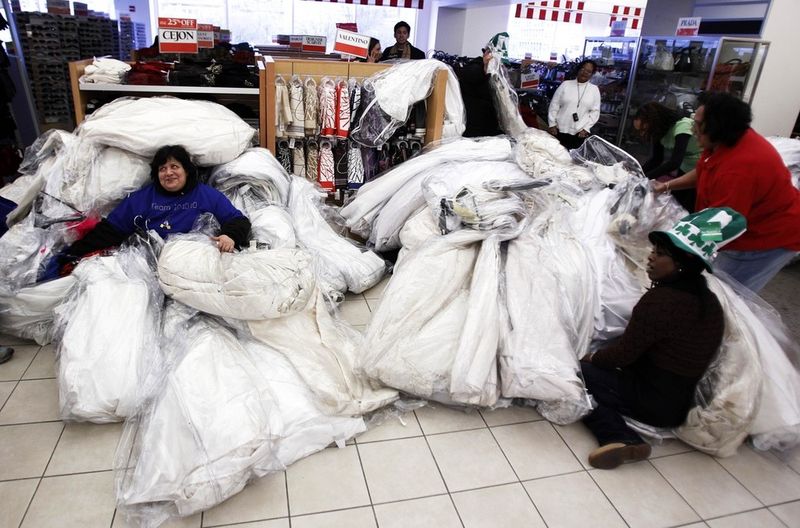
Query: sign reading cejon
177, 35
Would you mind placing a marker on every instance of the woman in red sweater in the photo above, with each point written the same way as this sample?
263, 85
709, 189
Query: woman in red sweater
741, 170
674, 332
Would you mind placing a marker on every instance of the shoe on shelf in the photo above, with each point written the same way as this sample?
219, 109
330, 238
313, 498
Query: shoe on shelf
615, 454
5, 353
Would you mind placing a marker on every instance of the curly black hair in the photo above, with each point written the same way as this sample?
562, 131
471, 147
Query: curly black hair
725, 118
179, 154
657, 120
402, 24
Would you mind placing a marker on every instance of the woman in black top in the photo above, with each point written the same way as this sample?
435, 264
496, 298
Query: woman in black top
650, 374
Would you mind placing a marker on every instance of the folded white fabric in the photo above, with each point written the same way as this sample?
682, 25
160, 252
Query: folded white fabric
324, 351
227, 412
210, 132
253, 180
341, 265
250, 285
361, 212
272, 225
108, 340
105, 70
789, 149
29, 313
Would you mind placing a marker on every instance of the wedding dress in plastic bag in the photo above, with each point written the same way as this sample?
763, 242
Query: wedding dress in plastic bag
273, 226
551, 313
413, 336
789, 149
227, 411
324, 351
448, 178
610, 164
361, 212
505, 98
250, 284
24, 251
342, 266
391, 93
474, 373
255, 177
109, 326
211, 133
29, 313
729, 393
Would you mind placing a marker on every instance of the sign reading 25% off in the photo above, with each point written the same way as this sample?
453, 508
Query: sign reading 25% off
177, 35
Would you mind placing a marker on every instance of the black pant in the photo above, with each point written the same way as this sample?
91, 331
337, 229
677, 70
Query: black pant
569, 141
644, 392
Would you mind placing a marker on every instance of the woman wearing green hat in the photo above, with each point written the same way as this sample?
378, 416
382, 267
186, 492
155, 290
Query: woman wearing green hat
674, 332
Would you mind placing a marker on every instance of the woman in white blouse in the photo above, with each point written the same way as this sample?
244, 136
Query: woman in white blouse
575, 107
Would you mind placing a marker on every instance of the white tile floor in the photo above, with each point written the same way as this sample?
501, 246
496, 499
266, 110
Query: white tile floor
441, 468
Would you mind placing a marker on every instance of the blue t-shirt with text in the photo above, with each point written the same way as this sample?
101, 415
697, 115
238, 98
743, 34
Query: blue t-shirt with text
148, 209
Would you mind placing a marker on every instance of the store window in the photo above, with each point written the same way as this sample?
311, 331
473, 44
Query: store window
259, 22
541, 38
102, 6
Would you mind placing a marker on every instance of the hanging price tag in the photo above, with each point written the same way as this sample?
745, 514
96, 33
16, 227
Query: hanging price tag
205, 36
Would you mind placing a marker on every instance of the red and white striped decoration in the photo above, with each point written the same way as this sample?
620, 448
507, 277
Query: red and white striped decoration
553, 10
408, 4
633, 15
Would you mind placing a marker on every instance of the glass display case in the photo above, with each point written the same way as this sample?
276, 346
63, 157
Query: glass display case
616, 59
674, 70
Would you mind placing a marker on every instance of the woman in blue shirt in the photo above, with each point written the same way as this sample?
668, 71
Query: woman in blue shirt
169, 204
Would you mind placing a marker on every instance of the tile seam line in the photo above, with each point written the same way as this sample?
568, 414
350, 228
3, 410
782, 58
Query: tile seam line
39, 484
366, 482
439, 469
524, 489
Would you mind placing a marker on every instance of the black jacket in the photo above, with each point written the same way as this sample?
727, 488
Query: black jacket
478, 99
391, 53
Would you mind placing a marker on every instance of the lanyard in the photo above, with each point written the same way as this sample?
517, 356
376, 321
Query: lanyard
580, 95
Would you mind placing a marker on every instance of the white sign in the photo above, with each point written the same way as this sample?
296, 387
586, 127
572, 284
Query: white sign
351, 43
688, 27
314, 43
296, 41
205, 36
177, 35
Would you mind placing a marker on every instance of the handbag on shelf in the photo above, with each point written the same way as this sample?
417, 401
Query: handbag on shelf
723, 72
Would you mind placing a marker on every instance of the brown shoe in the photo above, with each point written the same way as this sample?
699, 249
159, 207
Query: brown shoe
610, 456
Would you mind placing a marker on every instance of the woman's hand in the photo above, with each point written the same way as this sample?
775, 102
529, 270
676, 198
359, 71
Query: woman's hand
224, 243
553, 130
583, 134
660, 187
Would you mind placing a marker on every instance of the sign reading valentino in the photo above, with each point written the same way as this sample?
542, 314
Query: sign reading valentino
177, 35
351, 43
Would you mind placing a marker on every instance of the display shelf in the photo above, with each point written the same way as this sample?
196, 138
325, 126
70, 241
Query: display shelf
83, 92
132, 88
674, 70
316, 68
616, 60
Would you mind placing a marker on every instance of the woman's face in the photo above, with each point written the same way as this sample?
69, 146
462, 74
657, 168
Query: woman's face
375, 54
660, 265
640, 126
585, 73
172, 175
401, 35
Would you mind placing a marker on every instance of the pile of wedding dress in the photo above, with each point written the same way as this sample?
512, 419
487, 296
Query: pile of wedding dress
107, 335
227, 410
789, 149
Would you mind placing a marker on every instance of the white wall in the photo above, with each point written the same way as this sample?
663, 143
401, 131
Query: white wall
480, 25
661, 16
777, 99
711, 9
450, 29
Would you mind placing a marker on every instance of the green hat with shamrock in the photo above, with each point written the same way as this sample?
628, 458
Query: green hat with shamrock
703, 233
499, 44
